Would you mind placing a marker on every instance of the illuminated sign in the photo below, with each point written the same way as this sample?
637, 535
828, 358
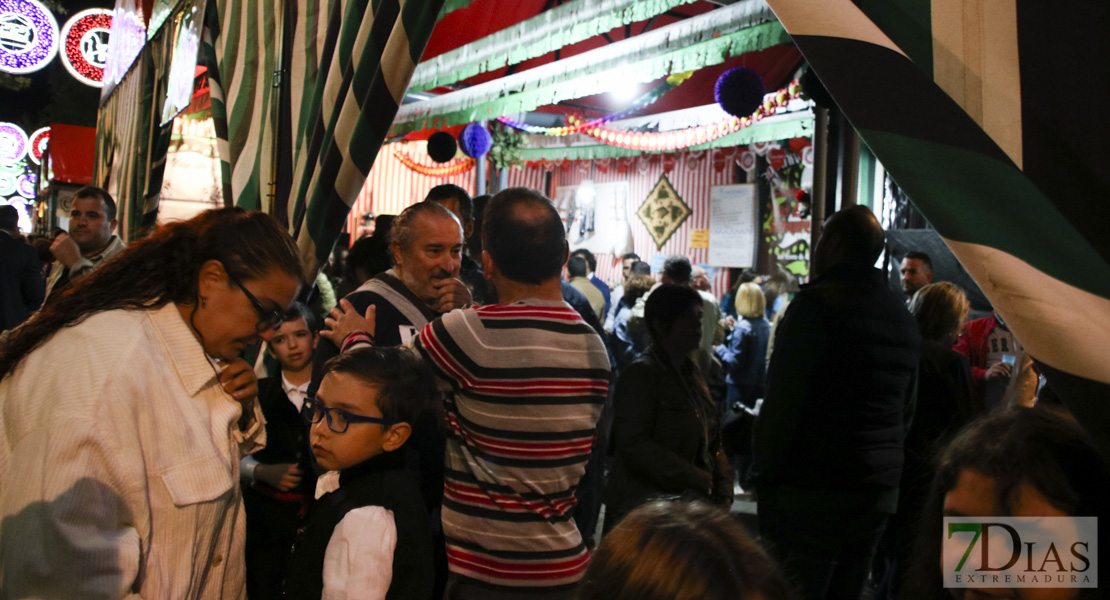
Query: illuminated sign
28, 36
39, 141
13, 143
85, 49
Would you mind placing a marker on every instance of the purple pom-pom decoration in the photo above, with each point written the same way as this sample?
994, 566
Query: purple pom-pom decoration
442, 147
475, 141
739, 91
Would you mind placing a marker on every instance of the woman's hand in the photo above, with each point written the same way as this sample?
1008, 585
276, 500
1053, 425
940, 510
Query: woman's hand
345, 320
239, 381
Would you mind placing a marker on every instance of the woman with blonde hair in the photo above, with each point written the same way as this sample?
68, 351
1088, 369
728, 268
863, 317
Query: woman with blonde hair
743, 357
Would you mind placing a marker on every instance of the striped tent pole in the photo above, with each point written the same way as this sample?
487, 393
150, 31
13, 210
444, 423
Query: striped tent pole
366, 54
962, 104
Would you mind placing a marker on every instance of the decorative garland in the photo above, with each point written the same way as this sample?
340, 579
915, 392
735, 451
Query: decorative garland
669, 84
692, 136
451, 168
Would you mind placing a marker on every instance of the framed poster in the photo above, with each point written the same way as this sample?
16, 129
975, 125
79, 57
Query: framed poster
732, 225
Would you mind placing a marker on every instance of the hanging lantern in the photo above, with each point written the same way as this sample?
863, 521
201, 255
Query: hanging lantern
442, 147
475, 141
739, 91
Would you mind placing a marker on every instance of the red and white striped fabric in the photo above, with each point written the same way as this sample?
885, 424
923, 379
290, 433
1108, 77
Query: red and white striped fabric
691, 179
391, 187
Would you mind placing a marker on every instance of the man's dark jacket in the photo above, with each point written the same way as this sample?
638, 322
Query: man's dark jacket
839, 389
22, 286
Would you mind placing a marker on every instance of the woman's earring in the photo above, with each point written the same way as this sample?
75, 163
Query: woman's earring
203, 302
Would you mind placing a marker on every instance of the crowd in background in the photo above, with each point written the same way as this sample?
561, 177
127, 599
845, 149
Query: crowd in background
458, 407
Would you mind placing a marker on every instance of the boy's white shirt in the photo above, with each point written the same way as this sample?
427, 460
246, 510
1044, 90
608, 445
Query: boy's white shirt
358, 563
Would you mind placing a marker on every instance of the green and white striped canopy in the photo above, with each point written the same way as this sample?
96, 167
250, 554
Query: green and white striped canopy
989, 116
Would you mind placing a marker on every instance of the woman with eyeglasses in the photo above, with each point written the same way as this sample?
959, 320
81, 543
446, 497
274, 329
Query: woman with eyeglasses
666, 434
124, 411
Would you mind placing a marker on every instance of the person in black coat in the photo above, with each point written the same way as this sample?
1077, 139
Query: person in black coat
666, 432
828, 441
945, 403
22, 286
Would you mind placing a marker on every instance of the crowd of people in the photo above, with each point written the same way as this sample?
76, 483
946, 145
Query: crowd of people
476, 414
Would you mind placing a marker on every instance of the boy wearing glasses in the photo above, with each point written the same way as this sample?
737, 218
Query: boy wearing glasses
367, 534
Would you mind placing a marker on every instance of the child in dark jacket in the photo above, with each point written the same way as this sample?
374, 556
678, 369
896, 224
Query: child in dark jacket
367, 535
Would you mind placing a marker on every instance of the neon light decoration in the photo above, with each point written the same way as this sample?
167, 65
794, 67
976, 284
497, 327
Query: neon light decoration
22, 206
28, 36
39, 140
13, 143
25, 185
7, 184
85, 49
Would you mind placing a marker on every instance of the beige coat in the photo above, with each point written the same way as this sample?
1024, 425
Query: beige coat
119, 463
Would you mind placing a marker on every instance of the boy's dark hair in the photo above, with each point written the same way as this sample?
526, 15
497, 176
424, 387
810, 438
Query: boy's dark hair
447, 191
407, 386
639, 268
629, 255
299, 310
922, 257
677, 268
576, 266
91, 191
524, 236
589, 256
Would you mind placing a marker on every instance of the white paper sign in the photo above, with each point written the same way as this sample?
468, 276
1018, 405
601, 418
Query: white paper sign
732, 225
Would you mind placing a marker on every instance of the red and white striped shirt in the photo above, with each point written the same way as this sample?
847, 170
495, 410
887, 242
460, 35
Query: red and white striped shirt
527, 382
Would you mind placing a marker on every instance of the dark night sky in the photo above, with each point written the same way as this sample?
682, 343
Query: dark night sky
54, 95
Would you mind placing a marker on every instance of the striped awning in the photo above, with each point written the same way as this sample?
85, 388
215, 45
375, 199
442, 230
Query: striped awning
977, 111
351, 63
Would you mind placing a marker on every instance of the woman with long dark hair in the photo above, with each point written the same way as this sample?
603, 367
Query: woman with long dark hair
666, 433
124, 410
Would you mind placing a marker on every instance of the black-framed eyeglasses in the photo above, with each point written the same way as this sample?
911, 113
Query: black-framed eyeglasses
268, 318
338, 419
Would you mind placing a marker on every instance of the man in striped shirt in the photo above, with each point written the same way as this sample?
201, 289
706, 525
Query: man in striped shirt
527, 378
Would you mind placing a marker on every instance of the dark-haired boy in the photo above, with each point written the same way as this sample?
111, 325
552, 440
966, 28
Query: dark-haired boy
367, 534
278, 481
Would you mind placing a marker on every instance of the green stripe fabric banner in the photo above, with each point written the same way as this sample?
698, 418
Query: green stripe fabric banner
960, 118
350, 65
550, 30
360, 58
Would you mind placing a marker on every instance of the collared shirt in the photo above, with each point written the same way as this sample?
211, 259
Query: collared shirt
295, 393
119, 457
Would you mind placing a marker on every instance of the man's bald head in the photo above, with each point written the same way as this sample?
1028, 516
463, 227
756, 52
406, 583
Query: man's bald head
852, 235
524, 236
